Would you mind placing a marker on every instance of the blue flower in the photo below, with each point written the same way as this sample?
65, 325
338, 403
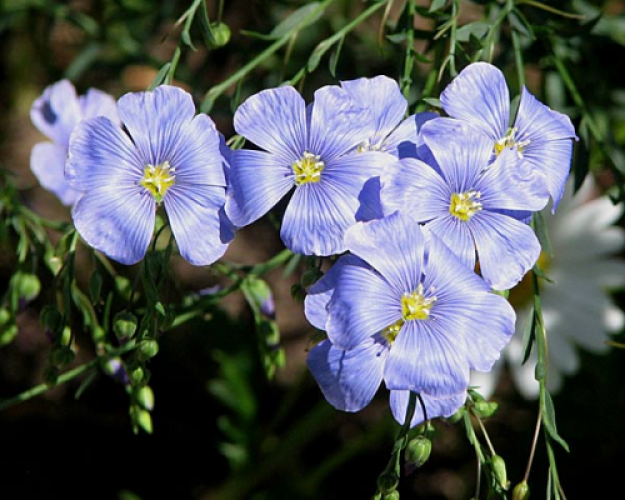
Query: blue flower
307, 150
164, 154
540, 136
402, 308
55, 113
468, 202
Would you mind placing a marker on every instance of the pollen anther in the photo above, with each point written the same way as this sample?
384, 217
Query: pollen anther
465, 205
416, 305
157, 179
308, 168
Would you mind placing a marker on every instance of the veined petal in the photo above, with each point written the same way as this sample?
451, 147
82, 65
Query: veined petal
194, 215
393, 246
56, 112
479, 95
102, 155
338, 124
461, 153
405, 141
348, 379
383, 97
434, 407
47, 162
275, 120
320, 293
427, 358
506, 248
415, 187
116, 220
98, 103
455, 234
363, 304
156, 121
258, 181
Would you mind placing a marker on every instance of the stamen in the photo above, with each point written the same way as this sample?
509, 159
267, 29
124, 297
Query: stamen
308, 168
157, 179
390, 332
465, 205
509, 141
416, 305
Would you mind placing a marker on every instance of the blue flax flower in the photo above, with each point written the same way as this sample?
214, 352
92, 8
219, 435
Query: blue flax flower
540, 136
55, 113
401, 308
164, 154
468, 202
310, 151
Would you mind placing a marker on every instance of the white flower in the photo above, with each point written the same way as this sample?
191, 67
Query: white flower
577, 309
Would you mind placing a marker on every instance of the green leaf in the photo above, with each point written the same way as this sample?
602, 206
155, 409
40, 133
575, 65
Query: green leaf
529, 334
549, 419
317, 54
478, 29
437, 5
432, 101
160, 76
334, 57
299, 19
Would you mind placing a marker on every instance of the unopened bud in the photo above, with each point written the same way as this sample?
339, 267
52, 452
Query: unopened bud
147, 349
6, 318
141, 418
521, 491
51, 319
387, 482
62, 356
418, 451
485, 409
221, 35
136, 375
456, 417
145, 398
391, 495
8, 333
499, 470
28, 286
124, 325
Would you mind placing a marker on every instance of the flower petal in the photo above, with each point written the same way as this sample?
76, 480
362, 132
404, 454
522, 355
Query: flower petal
156, 121
479, 95
456, 235
47, 162
275, 120
116, 220
348, 379
98, 103
434, 407
258, 181
405, 141
393, 246
194, 212
363, 304
506, 248
56, 112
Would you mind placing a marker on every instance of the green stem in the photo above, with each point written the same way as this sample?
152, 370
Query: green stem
553, 10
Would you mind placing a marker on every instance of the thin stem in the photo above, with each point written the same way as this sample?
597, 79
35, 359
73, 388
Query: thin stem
534, 444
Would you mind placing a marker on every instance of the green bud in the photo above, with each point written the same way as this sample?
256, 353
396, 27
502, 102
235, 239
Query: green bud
136, 376
55, 264
28, 286
62, 356
499, 471
6, 318
51, 319
145, 398
521, 491
124, 287
147, 349
143, 419
124, 325
66, 336
8, 333
475, 396
418, 451
387, 482
95, 286
457, 417
221, 35
98, 335
485, 409
391, 495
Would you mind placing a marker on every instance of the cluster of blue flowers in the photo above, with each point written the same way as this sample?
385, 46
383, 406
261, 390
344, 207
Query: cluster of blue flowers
412, 206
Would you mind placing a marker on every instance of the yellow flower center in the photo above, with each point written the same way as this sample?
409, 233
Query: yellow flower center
510, 141
415, 305
465, 205
369, 146
308, 169
157, 179
390, 333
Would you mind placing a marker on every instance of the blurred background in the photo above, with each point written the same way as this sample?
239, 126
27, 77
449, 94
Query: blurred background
222, 429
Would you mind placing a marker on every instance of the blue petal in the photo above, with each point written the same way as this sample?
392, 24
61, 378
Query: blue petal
466, 305
415, 187
550, 148
258, 181
362, 305
318, 214
338, 124
98, 103
101, 155
434, 407
370, 206
456, 234
56, 112
479, 95
386, 102
156, 121
426, 357
47, 162
461, 152
506, 248
405, 141
275, 120
348, 379
320, 293
116, 220
194, 215
393, 246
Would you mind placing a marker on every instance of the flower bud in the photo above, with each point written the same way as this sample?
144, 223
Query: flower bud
51, 319
457, 417
499, 471
521, 491
114, 367
124, 325
8, 333
147, 349
145, 397
141, 418
28, 286
485, 409
391, 495
418, 451
221, 35
6, 318
387, 482
136, 375
62, 356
